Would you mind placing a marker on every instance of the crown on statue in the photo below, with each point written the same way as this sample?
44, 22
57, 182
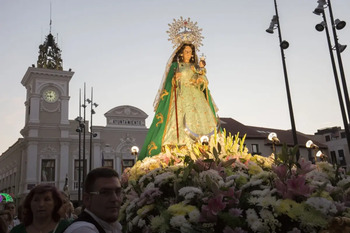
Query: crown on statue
203, 57
185, 31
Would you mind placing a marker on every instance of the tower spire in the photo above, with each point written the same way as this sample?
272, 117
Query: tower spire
50, 17
49, 53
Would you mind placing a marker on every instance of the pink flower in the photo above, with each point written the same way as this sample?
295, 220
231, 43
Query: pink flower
305, 166
281, 187
232, 197
281, 171
209, 212
297, 186
201, 165
235, 212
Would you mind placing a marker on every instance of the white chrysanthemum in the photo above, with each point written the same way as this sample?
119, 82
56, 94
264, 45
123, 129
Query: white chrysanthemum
161, 178
150, 185
178, 221
237, 175
264, 175
316, 175
267, 201
295, 230
212, 174
251, 183
130, 226
229, 183
253, 200
135, 220
189, 192
194, 216
262, 193
141, 223
128, 189
253, 220
149, 174
269, 223
324, 205
343, 182
131, 206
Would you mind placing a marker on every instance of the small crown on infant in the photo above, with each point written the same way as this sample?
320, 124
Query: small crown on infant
203, 57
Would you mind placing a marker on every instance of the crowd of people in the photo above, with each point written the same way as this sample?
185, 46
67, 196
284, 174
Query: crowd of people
47, 210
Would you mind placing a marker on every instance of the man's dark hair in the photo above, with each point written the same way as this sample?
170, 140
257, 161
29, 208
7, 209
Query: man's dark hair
101, 172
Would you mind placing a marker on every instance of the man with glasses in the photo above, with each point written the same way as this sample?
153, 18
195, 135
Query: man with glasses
102, 200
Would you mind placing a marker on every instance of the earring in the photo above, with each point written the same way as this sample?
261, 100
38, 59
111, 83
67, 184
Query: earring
181, 54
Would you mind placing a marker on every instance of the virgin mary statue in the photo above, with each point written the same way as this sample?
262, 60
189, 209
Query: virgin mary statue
184, 109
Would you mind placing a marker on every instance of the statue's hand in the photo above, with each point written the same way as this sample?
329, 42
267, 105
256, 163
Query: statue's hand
178, 76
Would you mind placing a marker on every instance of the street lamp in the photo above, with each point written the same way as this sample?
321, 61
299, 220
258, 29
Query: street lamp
284, 45
337, 24
204, 140
134, 151
274, 139
319, 154
92, 134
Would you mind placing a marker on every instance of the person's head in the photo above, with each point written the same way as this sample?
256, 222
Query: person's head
202, 63
63, 211
102, 193
186, 53
42, 201
10, 206
6, 215
3, 225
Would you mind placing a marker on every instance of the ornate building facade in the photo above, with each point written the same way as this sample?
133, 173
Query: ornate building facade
52, 149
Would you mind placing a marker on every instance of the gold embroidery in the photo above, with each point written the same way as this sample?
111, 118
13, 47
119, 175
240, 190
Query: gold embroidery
151, 146
160, 117
164, 93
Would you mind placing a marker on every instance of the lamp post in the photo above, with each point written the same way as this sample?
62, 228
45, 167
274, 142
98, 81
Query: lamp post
337, 24
92, 134
84, 134
79, 130
320, 27
284, 45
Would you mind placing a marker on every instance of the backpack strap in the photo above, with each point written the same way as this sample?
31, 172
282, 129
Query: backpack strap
84, 216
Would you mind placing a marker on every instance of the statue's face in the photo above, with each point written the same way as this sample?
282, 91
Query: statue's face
187, 53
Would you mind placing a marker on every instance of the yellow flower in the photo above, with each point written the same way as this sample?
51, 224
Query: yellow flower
159, 224
289, 207
254, 169
181, 209
144, 210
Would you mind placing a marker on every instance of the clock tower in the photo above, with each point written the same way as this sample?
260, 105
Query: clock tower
46, 130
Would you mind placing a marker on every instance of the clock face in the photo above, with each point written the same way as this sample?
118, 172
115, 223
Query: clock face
50, 95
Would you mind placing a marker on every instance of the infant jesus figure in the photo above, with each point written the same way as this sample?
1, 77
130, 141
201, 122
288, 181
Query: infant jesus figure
199, 78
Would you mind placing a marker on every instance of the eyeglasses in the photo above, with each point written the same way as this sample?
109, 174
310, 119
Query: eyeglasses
108, 192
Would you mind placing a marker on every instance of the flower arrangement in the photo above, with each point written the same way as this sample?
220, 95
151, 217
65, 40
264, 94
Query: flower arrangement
220, 187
